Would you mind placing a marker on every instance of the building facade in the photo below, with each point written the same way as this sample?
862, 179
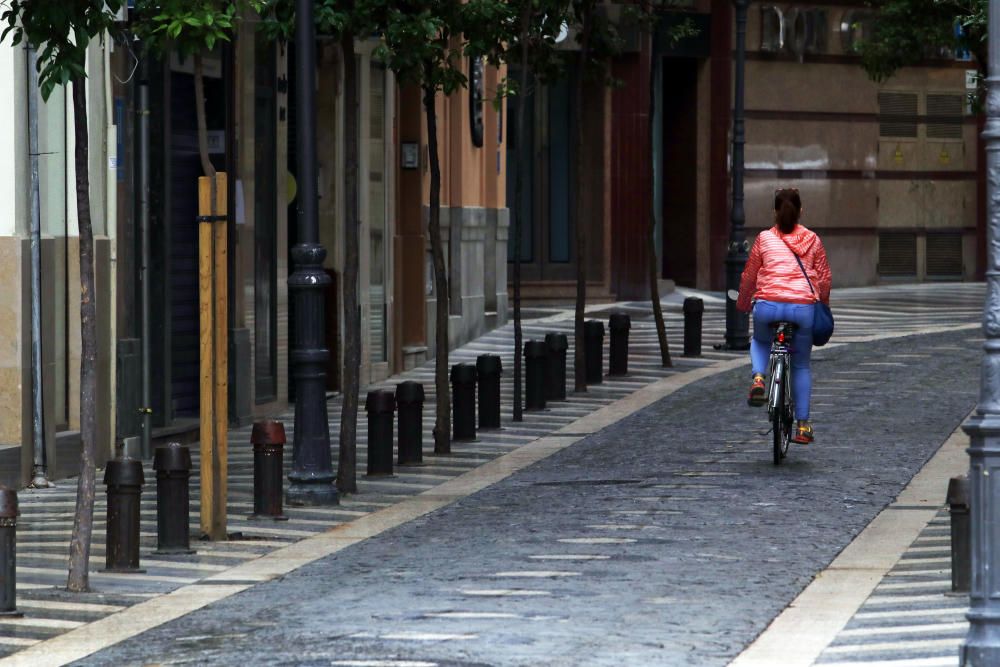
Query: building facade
888, 171
250, 111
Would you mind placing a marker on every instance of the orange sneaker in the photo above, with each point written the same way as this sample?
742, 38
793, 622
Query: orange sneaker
803, 433
758, 392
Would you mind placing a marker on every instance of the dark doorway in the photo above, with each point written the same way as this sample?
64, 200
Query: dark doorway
547, 208
680, 157
185, 168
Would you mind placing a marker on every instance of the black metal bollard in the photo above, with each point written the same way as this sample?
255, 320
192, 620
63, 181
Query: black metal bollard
556, 345
488, 371
961, 554
124, 480
463, 406
410, 403
535, 360
8, 553
619, 324
172, 463
380, 404
268, 440
693, 309
593, 347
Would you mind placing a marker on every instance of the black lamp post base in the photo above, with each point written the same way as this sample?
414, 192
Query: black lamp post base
314, 493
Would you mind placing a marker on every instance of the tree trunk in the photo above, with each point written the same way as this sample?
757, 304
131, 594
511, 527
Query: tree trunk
654, 272
579, 360
442, 424
83, 521
347, 462
516, 209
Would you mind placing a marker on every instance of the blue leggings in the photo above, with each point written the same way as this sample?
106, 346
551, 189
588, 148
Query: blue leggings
801, 314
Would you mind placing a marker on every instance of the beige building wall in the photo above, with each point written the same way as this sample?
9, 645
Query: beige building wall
474, 217
815, 123
60, 262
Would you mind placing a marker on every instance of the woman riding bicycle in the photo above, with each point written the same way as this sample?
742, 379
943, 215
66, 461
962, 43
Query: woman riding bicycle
773, 284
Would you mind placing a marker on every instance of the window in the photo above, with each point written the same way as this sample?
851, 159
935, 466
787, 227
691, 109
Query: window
772, 29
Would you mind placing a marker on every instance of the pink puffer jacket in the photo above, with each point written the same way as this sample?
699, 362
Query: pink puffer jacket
772, 274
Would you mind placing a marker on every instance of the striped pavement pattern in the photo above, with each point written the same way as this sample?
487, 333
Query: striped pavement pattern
46, 520
911, 618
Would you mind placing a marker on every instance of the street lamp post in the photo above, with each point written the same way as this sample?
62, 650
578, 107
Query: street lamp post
737, 323
982, 643
312, 478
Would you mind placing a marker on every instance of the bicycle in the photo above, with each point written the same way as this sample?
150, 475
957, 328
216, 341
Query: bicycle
780, 405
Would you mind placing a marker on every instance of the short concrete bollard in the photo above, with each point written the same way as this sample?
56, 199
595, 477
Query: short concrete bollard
489, 368
961, 554
693, 309
172, 463
410, 404
463, 406
556, 345
536, 356
619, 324
268, 440
593, 343
8, 553
380, 404
124, 479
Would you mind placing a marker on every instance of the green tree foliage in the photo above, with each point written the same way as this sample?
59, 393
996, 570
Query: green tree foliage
61, 31
333, 18
187, 26
906, 32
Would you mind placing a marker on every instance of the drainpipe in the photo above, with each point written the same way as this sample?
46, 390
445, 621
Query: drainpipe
39, 473
146, 409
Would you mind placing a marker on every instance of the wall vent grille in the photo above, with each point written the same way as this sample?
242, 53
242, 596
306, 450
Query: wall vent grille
944, 116
897, 114
944, 254
897, 254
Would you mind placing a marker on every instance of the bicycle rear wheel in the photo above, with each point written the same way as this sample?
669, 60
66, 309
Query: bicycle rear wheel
778, 413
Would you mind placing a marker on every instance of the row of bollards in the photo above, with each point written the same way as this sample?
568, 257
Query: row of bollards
473, 386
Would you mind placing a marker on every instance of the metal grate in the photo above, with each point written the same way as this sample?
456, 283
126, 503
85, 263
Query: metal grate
944, 116
897, 254
944, 254
897, 114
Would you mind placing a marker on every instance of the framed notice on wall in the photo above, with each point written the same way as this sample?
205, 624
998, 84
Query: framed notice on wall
409, 155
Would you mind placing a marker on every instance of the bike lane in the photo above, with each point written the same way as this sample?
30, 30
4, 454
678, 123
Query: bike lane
668, 538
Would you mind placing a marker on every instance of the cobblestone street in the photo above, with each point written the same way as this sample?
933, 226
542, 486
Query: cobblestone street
667, 538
